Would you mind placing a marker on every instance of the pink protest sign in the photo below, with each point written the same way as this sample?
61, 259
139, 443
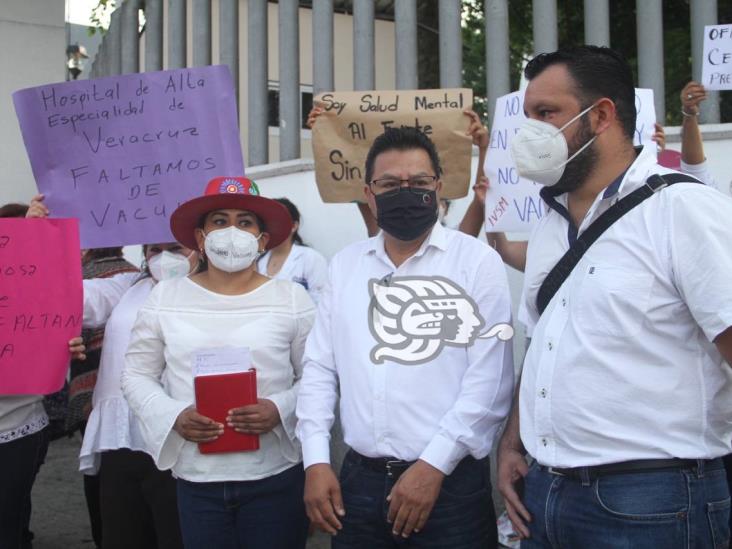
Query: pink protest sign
40, 302
121, 153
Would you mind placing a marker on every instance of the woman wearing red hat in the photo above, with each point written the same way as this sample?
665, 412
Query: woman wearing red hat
236, 499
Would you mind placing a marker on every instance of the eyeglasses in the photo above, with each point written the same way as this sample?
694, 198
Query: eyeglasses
418, 184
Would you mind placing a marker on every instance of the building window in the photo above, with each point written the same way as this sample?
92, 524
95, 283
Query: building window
273, 105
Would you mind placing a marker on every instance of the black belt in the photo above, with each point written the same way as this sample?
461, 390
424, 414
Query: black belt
637, 466
390, 467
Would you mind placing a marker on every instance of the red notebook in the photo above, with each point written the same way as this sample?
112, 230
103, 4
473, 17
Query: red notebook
215, 396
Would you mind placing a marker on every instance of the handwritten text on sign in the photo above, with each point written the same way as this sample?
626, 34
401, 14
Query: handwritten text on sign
343, 134
513, 203
717, 60
40, 302
121, 153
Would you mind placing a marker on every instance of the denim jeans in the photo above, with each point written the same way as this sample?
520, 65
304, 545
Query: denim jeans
669, 509
258, 514
462, 518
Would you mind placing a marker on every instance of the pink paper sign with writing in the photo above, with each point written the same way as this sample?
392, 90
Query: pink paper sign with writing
40, 302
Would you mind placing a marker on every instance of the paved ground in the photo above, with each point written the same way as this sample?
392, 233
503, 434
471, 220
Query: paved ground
59, 519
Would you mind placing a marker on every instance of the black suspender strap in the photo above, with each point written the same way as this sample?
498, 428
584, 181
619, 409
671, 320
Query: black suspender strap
571, 258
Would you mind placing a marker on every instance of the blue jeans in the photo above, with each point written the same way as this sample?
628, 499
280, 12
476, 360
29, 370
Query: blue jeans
462, 518
258, 514
669, 509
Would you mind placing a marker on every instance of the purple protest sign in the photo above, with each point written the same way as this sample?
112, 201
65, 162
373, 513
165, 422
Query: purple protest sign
121, 153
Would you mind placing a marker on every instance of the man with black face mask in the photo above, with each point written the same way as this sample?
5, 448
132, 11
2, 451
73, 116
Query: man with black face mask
413, 332
625, 402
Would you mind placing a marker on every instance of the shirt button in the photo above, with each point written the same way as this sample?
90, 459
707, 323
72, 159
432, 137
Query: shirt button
550, 346
543, 441
564, 302
542, 393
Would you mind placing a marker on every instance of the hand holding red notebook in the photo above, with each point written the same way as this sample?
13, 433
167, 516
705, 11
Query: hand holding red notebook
217, 393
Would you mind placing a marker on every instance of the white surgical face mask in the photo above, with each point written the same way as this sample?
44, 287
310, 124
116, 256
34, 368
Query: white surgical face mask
540, 151
231, 249
167, 265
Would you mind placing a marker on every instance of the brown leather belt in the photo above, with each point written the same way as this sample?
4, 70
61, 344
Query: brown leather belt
636, 466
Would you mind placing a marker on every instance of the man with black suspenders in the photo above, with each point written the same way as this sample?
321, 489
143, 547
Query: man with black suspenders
625, 401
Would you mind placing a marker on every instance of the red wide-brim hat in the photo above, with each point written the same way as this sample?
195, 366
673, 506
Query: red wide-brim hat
231, 193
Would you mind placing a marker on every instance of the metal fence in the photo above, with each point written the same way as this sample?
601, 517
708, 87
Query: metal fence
119, 52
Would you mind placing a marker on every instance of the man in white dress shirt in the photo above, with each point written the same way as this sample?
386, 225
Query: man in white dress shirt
413, 331
625, 401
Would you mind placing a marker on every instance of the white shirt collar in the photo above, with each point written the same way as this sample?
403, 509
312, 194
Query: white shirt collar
437, 238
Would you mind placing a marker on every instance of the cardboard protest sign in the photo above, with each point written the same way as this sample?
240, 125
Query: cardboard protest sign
40, 302
717, 58
121, 153
513, 203
343, 134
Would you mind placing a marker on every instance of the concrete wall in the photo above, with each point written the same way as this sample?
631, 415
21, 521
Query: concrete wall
33, 46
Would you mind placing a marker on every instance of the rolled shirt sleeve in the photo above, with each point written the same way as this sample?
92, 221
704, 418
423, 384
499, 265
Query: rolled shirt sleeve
701, 172
101, 296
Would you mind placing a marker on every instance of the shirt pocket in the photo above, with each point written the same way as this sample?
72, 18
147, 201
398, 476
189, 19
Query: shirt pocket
612, 300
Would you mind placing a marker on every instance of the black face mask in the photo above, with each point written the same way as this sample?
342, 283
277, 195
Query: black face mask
406, 215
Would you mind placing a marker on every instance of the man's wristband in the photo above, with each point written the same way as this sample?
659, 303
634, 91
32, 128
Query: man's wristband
689, 114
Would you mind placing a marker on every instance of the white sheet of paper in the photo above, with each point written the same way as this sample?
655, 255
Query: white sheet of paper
223, 360
717, 58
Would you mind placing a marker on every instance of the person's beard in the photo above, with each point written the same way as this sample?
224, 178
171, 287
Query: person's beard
576, 170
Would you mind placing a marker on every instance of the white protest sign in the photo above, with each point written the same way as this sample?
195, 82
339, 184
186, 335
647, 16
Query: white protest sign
513, 203
717, 59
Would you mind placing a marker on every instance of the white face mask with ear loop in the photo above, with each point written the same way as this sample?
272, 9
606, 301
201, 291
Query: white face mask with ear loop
231, 249
540, 152
168, 265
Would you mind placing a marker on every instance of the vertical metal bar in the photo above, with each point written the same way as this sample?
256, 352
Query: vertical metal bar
257, 110
176, 34
153, 35
363, 45
703, 12
229, 38
103, 56
649, 26
289, 60
100, 58
322, 46
201, 32
115, 42
405, 27
546, 36
451, 44
498, 82
130, 37
597, 23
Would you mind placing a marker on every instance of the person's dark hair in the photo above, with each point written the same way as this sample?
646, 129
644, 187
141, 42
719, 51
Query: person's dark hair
202, 261
13, 210
401, 139
102, 253
295, 215
598, 72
